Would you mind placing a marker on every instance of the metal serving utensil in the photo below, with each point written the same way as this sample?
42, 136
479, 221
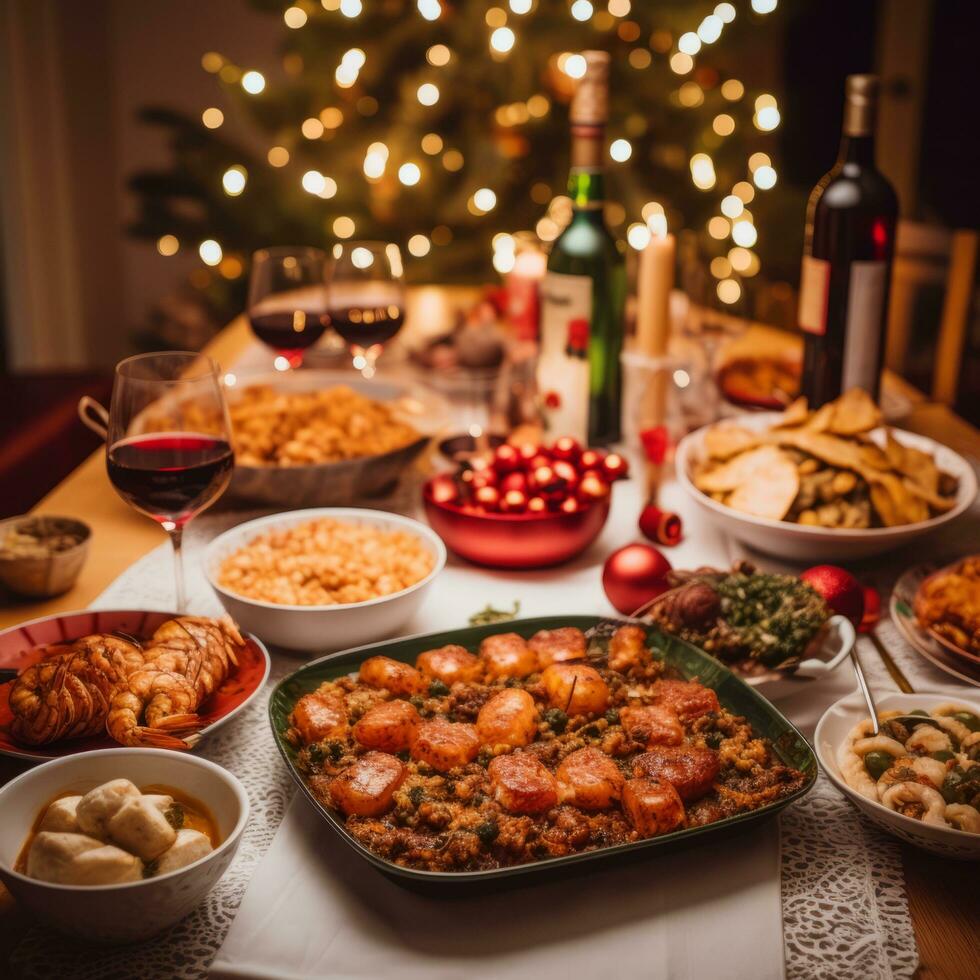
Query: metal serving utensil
865, 690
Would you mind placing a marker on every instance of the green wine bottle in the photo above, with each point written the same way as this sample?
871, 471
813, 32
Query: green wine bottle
584, 290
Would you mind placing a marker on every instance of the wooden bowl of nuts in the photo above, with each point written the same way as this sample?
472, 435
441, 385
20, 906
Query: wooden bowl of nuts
41, 556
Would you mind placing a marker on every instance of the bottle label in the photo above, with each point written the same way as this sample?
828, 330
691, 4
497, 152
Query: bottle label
814, 290
863, 328
563, 365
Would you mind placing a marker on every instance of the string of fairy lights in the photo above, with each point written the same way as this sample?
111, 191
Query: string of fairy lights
734, 222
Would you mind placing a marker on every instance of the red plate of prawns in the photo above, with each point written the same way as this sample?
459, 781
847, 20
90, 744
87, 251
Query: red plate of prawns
97, 679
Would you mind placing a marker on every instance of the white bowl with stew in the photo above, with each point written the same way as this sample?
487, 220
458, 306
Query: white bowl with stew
137, 910
831, 733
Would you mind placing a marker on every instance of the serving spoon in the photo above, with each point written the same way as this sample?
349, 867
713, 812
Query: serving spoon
865, 690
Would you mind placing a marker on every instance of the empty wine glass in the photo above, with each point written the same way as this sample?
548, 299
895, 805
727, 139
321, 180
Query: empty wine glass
168, 440
366, 298
287, 301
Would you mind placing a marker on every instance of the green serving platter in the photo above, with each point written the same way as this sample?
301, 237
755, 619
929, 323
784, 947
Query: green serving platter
686, 660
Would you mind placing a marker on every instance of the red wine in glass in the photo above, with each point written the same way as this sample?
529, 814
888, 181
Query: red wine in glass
289, 332
367, 325
170, 475
287, 300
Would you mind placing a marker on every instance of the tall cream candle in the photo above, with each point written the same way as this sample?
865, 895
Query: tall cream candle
655, 280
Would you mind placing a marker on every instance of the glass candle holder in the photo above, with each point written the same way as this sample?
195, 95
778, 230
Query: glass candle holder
663, 400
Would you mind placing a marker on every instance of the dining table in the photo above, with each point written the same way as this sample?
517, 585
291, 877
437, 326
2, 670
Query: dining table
943, 897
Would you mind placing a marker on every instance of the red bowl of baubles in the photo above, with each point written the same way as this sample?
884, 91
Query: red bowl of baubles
524, 506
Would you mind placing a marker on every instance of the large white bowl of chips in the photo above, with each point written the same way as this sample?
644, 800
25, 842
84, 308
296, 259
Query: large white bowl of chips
805, 543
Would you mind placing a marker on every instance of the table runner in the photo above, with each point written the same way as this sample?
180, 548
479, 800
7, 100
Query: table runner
844, 908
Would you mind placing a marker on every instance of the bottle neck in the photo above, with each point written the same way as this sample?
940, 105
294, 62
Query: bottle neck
585, 188
857, 149
585, 180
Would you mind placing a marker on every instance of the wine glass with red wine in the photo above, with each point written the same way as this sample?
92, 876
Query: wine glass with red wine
168, 441
287, 301
366, 298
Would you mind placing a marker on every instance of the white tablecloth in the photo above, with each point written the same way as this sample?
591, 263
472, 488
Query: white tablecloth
313, 910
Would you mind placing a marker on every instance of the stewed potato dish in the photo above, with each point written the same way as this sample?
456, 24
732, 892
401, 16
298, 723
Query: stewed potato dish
527, 749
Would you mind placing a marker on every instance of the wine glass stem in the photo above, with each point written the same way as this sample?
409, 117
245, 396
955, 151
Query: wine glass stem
176, 539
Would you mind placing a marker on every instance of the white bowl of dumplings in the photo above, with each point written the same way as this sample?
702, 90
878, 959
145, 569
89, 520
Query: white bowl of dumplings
105, 864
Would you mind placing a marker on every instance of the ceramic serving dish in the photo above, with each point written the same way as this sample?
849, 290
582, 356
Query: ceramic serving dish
825, 654
20, 646
832, 730
136, 910
344, 482
955, 662
515, 540
690, 662
803, 543
320, 628
44, 576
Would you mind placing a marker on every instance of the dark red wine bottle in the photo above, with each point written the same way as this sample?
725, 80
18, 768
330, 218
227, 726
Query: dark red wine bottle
170, 476
847, 260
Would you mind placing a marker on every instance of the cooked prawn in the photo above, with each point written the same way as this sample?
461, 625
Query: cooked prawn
906, 797
64, 697
186, 660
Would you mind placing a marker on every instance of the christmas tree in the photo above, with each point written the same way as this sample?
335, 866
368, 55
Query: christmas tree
442, 125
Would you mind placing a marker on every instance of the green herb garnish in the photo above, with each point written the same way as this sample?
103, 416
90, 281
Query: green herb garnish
556, 719
489, 615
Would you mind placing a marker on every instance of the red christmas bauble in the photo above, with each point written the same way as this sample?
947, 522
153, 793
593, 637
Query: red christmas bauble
592, 487
527, 451
872, 609
443, 489
615, 467
566, 448
839, 589
545, 480
514, 481
537, 505
570, 505
514, 502
634, 575
661, 526
566, 474
506, 458
591, 459
539, 459
487, 497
